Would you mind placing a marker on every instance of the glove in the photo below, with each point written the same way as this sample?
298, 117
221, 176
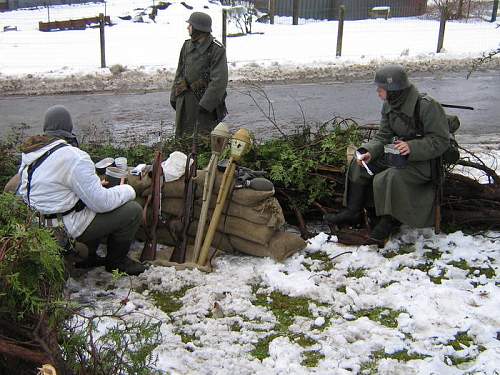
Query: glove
173, 104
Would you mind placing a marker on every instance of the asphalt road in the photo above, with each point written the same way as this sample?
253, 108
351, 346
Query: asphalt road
143, 117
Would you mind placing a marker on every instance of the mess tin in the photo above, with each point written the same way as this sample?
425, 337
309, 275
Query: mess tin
393, 158
114, 176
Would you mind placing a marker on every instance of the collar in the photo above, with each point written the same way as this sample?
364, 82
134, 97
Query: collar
408, 107
203, 46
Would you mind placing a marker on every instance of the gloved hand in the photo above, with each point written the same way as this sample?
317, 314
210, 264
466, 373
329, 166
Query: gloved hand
173, 104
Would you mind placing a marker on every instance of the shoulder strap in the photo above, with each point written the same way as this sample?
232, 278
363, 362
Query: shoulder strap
33, 166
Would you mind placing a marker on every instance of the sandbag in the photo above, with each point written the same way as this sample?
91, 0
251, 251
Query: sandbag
267, 212
140, 184
244, 196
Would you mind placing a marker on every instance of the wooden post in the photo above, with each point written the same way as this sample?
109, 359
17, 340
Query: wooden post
48, 12
295, 12
495, 11
340, 33
442, 26
224, 27
101, 34
272, 11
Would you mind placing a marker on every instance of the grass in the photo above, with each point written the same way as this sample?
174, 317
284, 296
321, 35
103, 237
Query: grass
311, 358
403, 249
326, 262
285, 309
170, 302
383, 315
370, 367
341, 289
356, 272
489, 272
433, 254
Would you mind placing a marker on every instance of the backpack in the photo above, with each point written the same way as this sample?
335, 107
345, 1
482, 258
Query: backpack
452, 153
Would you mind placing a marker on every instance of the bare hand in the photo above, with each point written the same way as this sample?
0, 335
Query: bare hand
403, 147
104, 182
122, 181
366, 157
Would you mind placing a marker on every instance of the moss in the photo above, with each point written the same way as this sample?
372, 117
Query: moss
461, 339
326, 262
341, 289
355, 272
170, 302
462, 264
185, 338
383, 315
311, 358
403, 249
387, 284
235, 327
261, 349
303, 340
370, 367
489, 272
433, 254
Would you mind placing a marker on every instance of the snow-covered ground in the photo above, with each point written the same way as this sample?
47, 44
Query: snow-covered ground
426, 304
272, 52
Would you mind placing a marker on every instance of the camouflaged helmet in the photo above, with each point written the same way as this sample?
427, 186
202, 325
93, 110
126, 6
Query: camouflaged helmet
200, 21
392, 78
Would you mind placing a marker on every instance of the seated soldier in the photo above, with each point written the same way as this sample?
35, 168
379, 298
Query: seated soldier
59, 181
402, 190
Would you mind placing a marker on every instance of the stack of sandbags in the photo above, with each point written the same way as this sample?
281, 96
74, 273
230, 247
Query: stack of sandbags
251, 222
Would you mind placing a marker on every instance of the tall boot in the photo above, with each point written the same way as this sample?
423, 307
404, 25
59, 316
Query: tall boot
116, 258
386, 226
355, 202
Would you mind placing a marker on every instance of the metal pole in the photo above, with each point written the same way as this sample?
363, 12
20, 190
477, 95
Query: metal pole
340, 33
295, 12
442, 26
224, 27
101, 34
48, 12
495, 11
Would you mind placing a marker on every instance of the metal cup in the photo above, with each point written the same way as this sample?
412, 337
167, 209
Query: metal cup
100, 166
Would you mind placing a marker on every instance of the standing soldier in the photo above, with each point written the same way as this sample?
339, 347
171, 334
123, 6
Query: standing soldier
413, 127
199, 89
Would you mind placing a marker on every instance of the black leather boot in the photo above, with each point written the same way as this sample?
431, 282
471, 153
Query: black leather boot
355, 202
116, 258
382, 231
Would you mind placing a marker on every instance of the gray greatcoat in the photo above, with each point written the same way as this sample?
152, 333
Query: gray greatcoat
407, 194
200, 61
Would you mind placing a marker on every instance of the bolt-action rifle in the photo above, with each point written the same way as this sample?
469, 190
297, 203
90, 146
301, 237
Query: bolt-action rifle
179, 254
149, 250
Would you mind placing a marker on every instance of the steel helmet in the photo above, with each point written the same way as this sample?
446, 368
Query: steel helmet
392, 78
200, 21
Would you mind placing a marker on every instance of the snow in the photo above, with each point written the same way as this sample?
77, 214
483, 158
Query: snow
278, 49
428, 315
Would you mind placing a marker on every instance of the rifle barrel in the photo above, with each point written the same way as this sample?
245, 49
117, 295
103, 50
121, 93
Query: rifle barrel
457, 106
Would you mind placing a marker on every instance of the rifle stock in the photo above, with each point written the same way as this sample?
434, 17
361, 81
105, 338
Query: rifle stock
149, 250
179, 254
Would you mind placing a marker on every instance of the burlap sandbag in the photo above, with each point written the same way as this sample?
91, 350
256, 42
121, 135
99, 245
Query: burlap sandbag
281, 246
141, 184
245, 196
267, 212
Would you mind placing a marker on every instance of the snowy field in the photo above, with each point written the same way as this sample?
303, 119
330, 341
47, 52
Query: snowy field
153, 48
425, 304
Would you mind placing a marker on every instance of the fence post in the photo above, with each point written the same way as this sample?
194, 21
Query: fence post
340, 33
224, 26
495, 11
442, 25
272, 11
101, 34
295, 12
